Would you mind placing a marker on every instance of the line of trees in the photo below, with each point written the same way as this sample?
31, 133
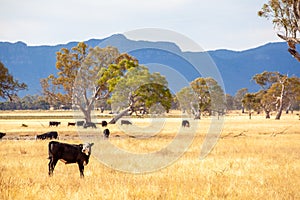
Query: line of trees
278, 92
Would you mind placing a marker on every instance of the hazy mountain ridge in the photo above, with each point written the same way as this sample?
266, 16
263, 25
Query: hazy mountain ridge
31, 63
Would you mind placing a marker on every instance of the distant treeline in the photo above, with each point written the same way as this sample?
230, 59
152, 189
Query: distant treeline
28, 102
36, 102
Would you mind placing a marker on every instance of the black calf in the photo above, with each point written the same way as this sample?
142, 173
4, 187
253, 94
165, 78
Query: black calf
185, 123
69, 153
48, 135
106, 133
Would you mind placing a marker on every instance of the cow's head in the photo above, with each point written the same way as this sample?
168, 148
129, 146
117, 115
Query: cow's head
87, 148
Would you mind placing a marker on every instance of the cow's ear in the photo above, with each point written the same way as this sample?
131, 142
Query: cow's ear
91, 144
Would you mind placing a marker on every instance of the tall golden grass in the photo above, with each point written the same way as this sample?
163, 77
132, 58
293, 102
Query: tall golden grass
253, 159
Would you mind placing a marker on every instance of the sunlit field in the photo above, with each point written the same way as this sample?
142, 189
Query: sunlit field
253, 159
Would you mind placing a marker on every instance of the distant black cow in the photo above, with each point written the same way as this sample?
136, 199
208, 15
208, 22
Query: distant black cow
69, 153
53, 123
48, 135
185, 123
104, 123
79, 123
106, 133
71, 123
2, 135
89, 124
126, 122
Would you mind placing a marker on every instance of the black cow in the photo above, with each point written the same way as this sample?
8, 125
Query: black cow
79, 123
53, 123
48, 135
2, 135
69, 153
89, 124
71, 123
104, 123
126, 122
185, 123
106, 133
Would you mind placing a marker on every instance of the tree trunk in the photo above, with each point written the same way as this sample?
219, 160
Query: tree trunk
87, 115
197, 115
279, 112
118, 116
267, 114
278, 115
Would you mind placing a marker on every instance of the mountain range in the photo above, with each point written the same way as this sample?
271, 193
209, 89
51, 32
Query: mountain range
236, 68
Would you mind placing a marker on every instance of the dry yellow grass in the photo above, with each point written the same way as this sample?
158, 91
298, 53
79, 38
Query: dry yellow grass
253, 159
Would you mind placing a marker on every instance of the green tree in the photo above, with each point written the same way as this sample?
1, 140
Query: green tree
99, 74
86, 75
94, 79
251, 102
187, 99
9, 87
139, 92
285, 15
210, 96
58, 89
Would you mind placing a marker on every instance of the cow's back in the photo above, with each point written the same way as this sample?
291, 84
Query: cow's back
68, 152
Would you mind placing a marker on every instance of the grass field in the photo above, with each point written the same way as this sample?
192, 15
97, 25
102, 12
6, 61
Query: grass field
253, 159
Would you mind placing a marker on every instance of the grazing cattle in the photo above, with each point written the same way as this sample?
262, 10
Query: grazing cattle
126, 122
48, 135
185, 123
104, 123
89, 124
2, 135
24, 125
71, 123
53, 123
69, 153
106, 133
79, 123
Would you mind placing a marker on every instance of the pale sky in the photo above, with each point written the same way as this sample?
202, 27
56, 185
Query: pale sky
212, 24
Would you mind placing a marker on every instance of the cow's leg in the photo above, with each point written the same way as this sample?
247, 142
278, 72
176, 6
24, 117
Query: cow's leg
81, 169
51, 165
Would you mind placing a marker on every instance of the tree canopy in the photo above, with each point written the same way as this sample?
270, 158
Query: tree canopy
86, 75
285, 15
277, 92
140, 92
204, 95
9, 87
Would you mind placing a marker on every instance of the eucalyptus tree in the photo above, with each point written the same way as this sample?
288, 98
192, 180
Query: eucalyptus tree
238, 97
58, 88
203, 95
85, 75
9, 87
187, 100
278, 91
285, 15
138, 92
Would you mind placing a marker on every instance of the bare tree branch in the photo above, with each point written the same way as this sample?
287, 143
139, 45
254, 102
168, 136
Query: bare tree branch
292, 45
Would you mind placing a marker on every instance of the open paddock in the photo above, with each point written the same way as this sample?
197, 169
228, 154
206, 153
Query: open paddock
253, 159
